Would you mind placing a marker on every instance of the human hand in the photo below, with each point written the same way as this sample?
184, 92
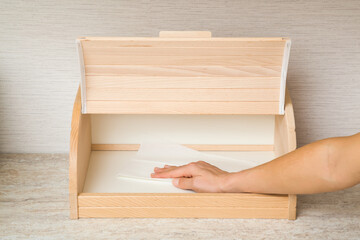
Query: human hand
198, 176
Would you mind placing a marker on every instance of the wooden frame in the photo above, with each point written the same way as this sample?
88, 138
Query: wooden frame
218, 205
177, 205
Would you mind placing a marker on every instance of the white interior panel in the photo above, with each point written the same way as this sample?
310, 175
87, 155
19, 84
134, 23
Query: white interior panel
104, 166
184, 129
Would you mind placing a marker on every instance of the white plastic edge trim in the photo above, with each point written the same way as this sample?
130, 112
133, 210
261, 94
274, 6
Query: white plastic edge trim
284, 69
82, 73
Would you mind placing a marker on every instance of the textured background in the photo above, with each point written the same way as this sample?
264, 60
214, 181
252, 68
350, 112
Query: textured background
39, 70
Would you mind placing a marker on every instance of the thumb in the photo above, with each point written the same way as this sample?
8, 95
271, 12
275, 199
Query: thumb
183, 183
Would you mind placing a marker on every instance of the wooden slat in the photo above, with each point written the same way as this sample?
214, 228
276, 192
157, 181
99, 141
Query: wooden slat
94, 59
181, 82
183, 95
143, 107
182, 42
79, 156
182, 212
198, 147
260, 39
292, 206
184, 71
184, 51
285, 141
239, 200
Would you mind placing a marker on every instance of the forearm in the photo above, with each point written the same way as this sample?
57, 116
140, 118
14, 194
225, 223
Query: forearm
323, 166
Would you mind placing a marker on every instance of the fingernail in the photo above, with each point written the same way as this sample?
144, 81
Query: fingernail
175, 181
156, 168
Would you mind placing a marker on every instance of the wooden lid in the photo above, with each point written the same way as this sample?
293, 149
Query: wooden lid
183, 73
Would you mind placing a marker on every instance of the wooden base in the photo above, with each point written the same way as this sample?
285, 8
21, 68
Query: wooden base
104, 167
106, 196
185, 205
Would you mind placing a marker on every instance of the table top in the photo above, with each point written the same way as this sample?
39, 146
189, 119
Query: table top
34, 205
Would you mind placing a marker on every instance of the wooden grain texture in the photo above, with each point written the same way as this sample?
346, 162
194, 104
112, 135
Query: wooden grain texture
145, 107
182, 61
79, 156
292, 203
40, 74
267, 60
182, 212
164, 82
198, 147
196, 66
182, 95
239, 200
184, 41
103, 52
285, 141
285, 134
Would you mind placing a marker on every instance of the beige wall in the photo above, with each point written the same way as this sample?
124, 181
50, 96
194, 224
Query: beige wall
39, 67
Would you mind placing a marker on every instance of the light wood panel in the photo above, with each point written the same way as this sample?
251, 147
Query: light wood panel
186, 38
150, 82
292, 203
285, 141
145, 107
285, 135
95, 42
239, 200
184, 51
193, 60
182, 212
176, 57
79, 156
198, 147
181, 95
235, 70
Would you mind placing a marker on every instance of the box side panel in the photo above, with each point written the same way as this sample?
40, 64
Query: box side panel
181, 212
79, 156
240, 200
285, 141
182, 205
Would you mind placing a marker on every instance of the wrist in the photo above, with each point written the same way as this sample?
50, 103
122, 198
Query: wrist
232, 182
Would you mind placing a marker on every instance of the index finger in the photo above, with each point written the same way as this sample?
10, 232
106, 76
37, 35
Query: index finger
175, 172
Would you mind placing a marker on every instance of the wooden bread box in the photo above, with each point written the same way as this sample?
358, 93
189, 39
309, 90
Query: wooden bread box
219, 95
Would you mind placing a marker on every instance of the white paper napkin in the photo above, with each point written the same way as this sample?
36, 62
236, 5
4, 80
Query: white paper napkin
157, 154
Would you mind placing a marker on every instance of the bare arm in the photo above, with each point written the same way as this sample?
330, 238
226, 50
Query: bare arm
323, 166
